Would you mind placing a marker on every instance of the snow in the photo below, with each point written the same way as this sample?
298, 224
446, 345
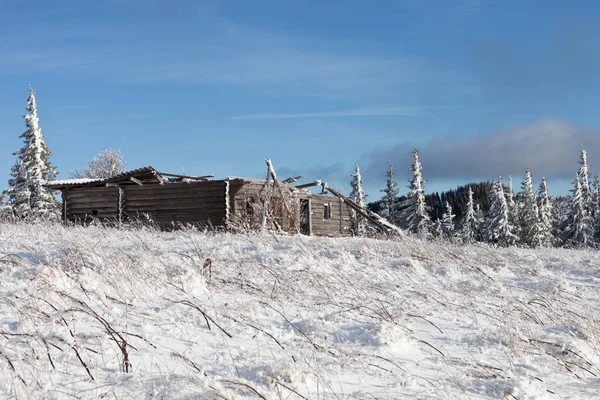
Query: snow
72, 181
293, 317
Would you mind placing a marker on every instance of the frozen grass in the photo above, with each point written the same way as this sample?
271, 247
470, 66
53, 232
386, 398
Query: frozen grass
103, 313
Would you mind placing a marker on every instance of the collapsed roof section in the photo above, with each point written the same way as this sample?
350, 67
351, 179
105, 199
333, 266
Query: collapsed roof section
138, 176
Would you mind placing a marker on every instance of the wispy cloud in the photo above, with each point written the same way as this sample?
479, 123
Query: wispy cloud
391, 111
217, 52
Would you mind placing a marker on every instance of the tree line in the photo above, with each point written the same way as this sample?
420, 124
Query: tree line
492, 212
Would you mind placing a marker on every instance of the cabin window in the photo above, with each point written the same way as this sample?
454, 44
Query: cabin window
94, 212
326, 211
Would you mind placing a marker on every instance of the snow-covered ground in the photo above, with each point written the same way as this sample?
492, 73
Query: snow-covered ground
103, 313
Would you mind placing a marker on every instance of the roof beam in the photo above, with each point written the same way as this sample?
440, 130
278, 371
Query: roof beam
205, 177
136, 181
308, 185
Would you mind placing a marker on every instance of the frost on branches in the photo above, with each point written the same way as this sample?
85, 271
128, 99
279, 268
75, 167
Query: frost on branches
448, 221
528, 215
584, 179
28, 197
413, 212
579, 230
546, 218
391, 191
468, 233
103, 165
499, 230
513, 211
358, 196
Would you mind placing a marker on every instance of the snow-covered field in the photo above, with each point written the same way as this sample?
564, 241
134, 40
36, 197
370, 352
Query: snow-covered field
103, 313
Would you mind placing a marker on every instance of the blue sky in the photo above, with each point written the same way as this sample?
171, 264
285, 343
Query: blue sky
214, 87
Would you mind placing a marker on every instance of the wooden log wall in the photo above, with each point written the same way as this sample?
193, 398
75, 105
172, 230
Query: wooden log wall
197, 203
84, 204
341, 221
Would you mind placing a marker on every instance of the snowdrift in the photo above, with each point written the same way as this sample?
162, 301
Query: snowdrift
103, 313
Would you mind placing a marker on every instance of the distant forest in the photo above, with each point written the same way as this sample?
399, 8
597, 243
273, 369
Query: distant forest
436, 202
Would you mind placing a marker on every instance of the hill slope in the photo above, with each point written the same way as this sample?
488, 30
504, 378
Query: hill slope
92, 312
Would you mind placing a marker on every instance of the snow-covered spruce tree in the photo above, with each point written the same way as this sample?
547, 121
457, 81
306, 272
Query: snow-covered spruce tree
28, 196
391, 191
358, 196
469, 223
103, 165
437, 230
584, 179
413, 214
579, 229
513, 206
546, 216
528, 214
596, 208
448, 222
498, 228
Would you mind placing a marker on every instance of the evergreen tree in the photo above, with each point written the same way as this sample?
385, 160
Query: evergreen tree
528, 215
584, 179
413, 214
437, 229
513, 206
388, 201
28, 196
596, 208
358, 196
579, 229
448, 222
469, 223
546, 216
499, 230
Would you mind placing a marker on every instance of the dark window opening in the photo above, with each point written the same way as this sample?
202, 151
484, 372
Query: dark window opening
326, 211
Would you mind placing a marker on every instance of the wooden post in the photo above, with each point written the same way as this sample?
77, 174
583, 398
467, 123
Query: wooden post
121, 195
64, 206
263, 223
310, 231
341, 217
227, 204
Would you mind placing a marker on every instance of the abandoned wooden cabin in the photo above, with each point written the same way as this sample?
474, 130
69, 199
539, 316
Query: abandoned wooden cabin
170, 200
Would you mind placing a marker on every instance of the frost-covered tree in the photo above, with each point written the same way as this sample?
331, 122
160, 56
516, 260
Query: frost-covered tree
103, 165
546, 216
391, 192
499, 230
413, 213
584, 179
596, 207
437, 229
469, 224
528, 215
579, 229
358, 196
513, 207
28, 196
448, 221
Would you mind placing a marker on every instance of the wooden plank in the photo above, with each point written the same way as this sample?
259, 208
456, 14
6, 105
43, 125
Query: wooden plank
178, 186
174, 196
104, 206
184, 206
199, 202
84, 196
